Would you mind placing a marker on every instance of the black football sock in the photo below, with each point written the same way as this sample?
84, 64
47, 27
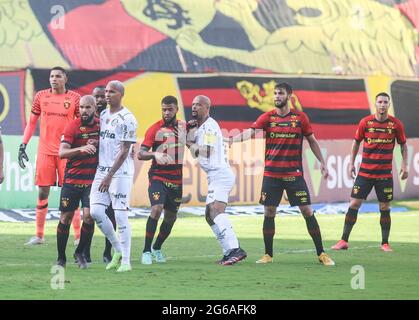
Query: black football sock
86, 236
350, 220
108, 245
88, 245
62, 238
150, 230
385, 222
314, 231
165, 229
268, 234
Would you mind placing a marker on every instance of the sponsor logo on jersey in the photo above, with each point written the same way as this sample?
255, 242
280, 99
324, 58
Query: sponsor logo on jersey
275, 135
300, 194
120, 196
107, 134
379, 140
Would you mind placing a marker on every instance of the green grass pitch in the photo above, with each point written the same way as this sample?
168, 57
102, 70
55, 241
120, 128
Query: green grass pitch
191, 271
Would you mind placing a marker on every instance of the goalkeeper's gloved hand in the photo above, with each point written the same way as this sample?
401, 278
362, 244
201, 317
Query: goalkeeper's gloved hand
22, 155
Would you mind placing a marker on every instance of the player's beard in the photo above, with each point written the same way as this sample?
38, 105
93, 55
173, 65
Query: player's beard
170, 121
281, 104
88, 120
101, 107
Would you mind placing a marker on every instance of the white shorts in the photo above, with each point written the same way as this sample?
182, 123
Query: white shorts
220, 185
118, 194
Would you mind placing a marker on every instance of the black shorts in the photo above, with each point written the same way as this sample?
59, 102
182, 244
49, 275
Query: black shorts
166, 193
273, 188
363, 186
72, 194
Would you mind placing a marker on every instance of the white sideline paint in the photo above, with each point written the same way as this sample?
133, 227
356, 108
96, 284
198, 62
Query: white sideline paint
6, 218
134, 261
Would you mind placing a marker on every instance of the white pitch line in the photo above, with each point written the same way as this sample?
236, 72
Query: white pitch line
282, 252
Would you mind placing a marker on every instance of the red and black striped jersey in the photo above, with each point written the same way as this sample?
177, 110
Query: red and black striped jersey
80, 169
284, 142
379, 140
165, 139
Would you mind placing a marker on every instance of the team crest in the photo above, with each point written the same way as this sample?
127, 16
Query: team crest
156, 196
65, 202
66, 104
82, 129
370, 123
356, 189
108, 120
263, 196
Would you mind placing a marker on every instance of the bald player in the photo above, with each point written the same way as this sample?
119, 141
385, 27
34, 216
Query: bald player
114, 175
205, 142
78, 145
101, 104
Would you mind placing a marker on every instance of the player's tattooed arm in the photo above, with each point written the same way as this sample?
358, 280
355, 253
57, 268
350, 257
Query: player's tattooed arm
203, 151
315, 147
66, 152
404, 170
242, 136
354, 152
158, 155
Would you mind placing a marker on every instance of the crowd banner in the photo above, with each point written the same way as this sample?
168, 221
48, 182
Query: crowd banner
345, 37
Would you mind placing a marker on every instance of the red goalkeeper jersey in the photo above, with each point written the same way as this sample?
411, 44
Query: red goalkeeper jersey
55, 111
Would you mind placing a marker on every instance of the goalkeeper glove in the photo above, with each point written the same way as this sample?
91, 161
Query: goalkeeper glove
22, 155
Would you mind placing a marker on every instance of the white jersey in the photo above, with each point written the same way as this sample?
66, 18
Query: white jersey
114, 129
209, 134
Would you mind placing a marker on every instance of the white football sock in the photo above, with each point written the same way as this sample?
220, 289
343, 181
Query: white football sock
223, 244
226, 231
124, 229
97, 211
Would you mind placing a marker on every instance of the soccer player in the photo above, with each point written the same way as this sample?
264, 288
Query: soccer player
1, 159
205, 142
167, 139
285, 130
379, 133
78, 145
101, 104
56, 107
114, 175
